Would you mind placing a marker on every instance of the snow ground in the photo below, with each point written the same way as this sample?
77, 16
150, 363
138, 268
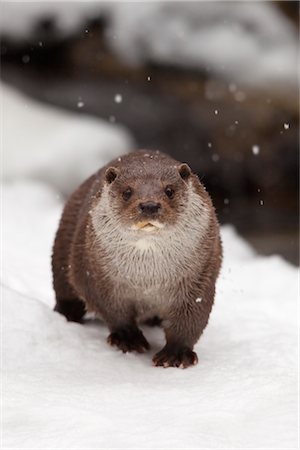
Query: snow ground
250, 43
62, 148
64, 387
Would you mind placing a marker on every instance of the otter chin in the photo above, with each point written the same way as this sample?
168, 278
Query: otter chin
139, 240
147, 226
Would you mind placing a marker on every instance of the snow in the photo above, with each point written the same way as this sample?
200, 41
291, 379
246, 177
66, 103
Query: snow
249, 43
60, 147
80, 104
118, 98
64, 387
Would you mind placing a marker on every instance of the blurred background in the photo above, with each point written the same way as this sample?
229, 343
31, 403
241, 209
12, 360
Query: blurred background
214, 84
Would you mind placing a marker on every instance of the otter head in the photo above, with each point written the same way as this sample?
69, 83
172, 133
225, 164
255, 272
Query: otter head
148, 195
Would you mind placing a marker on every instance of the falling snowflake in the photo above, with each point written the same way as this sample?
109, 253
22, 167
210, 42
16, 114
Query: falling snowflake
216, 112
118, 98
255, 149
80, 104
286, 126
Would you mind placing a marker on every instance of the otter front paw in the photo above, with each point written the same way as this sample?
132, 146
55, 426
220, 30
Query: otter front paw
129, 339
173, 356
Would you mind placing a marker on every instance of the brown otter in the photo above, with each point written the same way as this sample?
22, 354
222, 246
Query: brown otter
140, 239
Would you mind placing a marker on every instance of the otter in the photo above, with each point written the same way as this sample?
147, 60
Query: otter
139, 241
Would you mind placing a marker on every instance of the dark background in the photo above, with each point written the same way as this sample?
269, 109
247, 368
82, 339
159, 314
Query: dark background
172, 107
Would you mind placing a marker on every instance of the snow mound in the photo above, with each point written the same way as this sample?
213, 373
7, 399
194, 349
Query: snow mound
31, 210
64, 387
53, 145
246, 42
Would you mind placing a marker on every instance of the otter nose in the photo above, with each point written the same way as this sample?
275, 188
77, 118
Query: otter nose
149, 208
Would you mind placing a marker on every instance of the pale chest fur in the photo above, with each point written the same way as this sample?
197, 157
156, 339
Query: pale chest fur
147, 267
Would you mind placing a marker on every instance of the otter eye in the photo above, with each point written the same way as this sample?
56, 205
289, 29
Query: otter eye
127, 194
169, 192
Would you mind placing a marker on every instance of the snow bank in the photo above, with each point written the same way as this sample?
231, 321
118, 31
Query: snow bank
53, 145
246, 42
31, 212
64, 387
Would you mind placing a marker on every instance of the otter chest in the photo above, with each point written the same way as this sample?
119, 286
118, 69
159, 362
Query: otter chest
144, 272
144, 263
146, 267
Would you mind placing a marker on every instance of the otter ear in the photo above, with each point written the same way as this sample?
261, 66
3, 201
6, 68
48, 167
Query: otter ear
184, 171
111, 174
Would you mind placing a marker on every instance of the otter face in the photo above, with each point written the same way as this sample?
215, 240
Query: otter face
147, 198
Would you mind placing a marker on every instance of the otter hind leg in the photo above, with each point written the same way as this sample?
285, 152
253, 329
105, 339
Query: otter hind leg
72, 309
67, 302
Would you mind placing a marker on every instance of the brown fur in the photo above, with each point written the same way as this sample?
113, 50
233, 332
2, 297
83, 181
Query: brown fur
131, 276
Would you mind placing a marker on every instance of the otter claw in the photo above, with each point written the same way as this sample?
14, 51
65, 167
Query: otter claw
129, 340
175, 357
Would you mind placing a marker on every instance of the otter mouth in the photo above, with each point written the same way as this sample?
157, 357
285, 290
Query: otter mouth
148, 226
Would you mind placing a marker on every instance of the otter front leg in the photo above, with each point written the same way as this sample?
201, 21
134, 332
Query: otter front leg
128, 339
175, 355
125, 334
183, 328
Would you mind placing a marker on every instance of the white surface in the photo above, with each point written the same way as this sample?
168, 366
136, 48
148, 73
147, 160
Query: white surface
64, 387
60, 147
249, 43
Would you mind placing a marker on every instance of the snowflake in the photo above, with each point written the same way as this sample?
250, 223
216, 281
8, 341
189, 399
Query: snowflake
118, 98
